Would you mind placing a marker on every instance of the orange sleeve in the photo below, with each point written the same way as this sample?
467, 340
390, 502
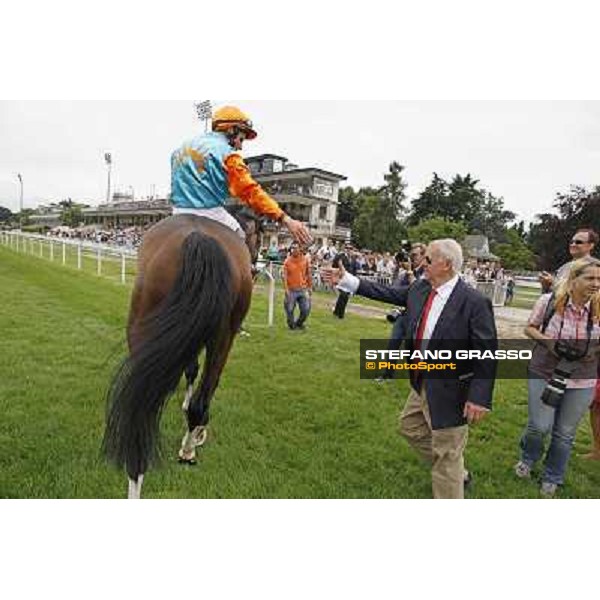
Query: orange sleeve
243, 186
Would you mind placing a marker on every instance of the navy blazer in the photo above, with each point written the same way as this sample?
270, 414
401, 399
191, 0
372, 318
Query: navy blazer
467, 318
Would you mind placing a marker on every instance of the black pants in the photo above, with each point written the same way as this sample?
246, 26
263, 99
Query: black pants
340, 306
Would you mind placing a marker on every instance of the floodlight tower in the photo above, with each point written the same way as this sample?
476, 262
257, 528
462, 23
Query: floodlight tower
204, 112
108, 161
21, 193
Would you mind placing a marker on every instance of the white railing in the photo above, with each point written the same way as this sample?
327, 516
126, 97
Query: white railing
72, 252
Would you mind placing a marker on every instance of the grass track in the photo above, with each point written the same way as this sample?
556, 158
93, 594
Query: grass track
291, 418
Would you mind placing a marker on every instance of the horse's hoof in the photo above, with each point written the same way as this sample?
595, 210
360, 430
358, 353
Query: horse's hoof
190, 462
199, 436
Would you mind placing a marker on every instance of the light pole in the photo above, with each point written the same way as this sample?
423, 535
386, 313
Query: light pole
204, 112
20, 200
108, 161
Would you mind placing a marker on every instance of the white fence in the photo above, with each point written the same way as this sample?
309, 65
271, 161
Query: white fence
117, 261
120, 262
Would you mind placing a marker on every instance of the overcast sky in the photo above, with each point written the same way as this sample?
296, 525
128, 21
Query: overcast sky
522, 151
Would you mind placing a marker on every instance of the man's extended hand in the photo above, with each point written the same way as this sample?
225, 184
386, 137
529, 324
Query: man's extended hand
298, 230
474, 413
332, 276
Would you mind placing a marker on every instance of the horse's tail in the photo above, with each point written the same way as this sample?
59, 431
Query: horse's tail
196, 308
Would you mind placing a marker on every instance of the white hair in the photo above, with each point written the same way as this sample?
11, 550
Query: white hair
450, 250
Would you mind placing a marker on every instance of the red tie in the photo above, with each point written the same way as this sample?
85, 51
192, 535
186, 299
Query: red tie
424, 317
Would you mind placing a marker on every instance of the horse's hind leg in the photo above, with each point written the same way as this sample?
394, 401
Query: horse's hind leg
198, 410
135, 488
191, 374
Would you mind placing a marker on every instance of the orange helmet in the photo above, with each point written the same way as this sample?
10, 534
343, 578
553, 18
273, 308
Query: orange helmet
231, 116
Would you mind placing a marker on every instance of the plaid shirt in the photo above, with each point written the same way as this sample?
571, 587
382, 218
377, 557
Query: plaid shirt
574, 327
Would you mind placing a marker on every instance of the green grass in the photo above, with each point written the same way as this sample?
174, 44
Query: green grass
291, 418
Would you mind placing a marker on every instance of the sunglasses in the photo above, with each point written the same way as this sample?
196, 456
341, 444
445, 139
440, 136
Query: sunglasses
577, 242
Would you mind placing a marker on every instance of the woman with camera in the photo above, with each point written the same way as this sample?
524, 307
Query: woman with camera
562, 372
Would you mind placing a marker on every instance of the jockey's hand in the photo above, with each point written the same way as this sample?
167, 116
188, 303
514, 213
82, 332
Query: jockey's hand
298, 230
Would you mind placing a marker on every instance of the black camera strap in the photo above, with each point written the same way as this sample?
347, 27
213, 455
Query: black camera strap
589, 328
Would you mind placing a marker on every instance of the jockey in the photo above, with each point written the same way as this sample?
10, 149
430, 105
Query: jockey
208, 169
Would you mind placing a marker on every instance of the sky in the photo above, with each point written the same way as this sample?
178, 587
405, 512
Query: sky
523, 151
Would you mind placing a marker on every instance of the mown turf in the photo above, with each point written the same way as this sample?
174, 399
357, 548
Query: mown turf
291, 418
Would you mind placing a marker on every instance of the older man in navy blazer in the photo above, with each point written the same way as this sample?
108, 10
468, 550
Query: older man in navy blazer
441, 310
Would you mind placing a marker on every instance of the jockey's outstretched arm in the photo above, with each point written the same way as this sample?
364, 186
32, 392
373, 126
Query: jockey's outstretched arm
243, 186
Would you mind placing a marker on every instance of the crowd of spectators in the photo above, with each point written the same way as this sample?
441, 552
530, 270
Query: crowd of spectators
121, 237
386, 267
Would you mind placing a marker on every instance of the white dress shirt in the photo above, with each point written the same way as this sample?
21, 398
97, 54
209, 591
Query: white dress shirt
439, 302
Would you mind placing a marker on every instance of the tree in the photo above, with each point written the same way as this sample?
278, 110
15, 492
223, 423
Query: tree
5, 214
490, 218
393, 193
436, 229
464, 199
347, 207
377, 224
72, 216
514, 253
432, 201
549, 236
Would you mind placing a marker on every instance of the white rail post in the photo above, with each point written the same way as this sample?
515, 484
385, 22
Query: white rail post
79, 256
41, 251
122, 267
64, 253
99, 257
271, 295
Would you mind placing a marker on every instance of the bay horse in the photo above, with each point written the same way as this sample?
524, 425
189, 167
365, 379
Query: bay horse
192, 291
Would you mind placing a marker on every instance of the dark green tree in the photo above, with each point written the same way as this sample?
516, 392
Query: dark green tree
431, 202
378, 222
514, 252
465, 199
393, 193
5, 214
490, 218
347, 207
549, 236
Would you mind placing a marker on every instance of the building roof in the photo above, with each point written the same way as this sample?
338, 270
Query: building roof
307, 171
264, 156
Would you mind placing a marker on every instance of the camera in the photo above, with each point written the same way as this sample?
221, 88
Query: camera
569, 352
403, 255
393, 315
555, 389
556, 386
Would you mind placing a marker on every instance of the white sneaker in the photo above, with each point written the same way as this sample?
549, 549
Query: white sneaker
548, 489
522, 471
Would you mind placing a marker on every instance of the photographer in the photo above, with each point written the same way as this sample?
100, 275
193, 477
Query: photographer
412, 268
348, 261
562, 370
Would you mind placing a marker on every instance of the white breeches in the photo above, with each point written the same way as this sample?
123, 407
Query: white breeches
216, 214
